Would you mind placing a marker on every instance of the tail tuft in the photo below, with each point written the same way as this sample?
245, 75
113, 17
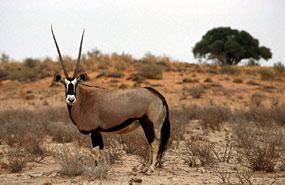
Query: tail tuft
164, 136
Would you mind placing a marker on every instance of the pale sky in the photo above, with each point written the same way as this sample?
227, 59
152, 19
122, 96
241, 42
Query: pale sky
161, 27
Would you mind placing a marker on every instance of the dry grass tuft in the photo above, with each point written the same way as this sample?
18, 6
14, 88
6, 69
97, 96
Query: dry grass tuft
238, 80
195, 91
279, 68
226, 154
261, 116
232, 70
212, 116
17, 158
151, 71
257, 99
244, 176
135, 143
74, 162
198, 153
259, 147
113, 147
180, 119
208, 80
116, 75
251, 82
189, 80
266, 74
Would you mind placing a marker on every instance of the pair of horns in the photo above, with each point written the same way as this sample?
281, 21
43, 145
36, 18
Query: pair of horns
61, 59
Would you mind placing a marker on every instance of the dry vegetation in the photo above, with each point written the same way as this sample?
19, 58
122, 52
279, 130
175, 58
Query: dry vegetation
227, 124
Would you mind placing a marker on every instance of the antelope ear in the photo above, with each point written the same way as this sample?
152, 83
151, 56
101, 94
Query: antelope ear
82, 77
57, 77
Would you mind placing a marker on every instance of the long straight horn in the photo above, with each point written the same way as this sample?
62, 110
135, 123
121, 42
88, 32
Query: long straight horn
79, 55
60, 57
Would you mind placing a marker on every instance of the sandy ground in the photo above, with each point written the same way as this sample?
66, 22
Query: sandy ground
222, 91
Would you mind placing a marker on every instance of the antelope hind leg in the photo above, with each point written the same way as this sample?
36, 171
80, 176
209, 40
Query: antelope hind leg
147, 168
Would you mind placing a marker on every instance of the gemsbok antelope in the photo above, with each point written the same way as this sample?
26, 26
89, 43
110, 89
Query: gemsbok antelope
96, 110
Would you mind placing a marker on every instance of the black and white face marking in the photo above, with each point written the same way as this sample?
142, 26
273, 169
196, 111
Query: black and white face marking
70, 87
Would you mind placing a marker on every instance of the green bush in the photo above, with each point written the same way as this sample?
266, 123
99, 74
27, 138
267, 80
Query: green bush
151, 71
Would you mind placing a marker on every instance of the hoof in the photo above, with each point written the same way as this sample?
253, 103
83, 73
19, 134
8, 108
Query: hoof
147, 170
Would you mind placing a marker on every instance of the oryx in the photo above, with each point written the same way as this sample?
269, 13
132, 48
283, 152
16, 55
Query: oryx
96, 110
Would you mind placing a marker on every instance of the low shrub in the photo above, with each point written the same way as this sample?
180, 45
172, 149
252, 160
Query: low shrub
195, 91
116, 75
279, 68
257, 99
238, 80
212, 116
261, 116
74, 162
259, 147
252, 63
17, 158
208, 80
35, 147
135, 143
266, 74
179, 119
151, 71
189, 80
251, 82
231, 70
136, 78
198, 153
3, 74
225, 154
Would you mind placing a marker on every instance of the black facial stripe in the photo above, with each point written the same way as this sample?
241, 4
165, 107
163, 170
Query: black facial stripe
71, 89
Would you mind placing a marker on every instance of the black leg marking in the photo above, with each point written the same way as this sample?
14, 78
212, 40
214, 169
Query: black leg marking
97, 140
148, 128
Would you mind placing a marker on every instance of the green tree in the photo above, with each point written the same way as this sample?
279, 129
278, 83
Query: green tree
229, 46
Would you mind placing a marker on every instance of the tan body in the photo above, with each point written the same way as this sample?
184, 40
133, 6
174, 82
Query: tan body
106, 109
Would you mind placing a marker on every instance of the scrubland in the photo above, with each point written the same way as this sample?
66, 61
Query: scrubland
227, 124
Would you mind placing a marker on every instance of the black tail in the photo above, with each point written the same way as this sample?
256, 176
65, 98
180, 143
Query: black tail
165, 129
164, 135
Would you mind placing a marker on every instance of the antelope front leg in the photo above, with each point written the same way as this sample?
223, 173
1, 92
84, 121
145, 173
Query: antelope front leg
98, 146
100, 154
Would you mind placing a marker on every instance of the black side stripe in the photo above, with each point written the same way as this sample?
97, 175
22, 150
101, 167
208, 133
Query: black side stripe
113, 129
119, 127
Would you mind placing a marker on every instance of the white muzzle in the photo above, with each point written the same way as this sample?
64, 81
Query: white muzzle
70, 99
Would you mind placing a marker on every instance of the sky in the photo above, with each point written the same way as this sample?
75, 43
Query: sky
135, 27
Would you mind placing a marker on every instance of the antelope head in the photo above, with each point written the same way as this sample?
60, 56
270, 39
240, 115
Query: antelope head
70, 83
